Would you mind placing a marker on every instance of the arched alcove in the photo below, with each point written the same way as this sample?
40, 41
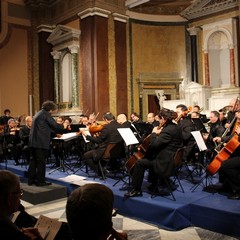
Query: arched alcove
219, 60
217, 44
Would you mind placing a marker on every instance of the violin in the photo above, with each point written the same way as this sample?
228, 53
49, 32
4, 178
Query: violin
96, 128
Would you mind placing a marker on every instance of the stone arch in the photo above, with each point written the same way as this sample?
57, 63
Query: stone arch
217, 44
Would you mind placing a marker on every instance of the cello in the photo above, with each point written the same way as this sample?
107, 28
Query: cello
227, 150
143, 147
142, 150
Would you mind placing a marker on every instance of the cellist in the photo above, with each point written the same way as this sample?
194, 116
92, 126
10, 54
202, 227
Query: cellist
229, 172
164, 142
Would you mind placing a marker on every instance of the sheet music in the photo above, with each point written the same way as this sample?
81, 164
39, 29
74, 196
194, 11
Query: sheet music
88, 133
48, 227
67, 136
77, 180
199, 140
128, 136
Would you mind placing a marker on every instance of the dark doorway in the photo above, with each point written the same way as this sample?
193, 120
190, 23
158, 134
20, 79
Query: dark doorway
153, 104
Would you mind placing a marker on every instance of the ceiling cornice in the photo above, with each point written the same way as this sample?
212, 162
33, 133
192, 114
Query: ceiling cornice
203, 8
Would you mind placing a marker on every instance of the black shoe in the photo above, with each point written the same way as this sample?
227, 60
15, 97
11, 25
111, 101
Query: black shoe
234, 196
30, 183
152, 188
41, 184
133, 193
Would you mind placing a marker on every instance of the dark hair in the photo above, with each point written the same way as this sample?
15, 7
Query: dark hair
167, 114
89, 211
49, 105
216, 114
183, 107
135, 114
196, 106
7, 111
108, 116
69, 119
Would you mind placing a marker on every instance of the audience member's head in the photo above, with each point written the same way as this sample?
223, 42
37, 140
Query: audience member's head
89, 212
10, 192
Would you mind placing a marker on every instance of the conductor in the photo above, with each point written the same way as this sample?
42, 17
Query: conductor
43, 128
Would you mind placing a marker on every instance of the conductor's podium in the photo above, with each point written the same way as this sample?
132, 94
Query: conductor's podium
37, 195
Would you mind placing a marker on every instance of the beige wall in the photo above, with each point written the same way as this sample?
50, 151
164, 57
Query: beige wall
14, 75
160, 49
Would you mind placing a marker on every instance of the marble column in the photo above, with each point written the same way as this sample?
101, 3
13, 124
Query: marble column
206, 67
74, 75
232, 67
56, 56
194, 57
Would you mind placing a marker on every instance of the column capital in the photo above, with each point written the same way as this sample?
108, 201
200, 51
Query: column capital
73, 48
193, 30
56, 54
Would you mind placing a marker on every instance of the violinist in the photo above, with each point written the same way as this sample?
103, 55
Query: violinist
164, 142
24, 137
11, 137
187, 126
108, 134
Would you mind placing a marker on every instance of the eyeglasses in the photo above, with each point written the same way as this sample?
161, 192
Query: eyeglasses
115, 212
18, 192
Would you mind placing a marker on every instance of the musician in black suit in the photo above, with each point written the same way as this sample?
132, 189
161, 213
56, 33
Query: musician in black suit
187, 126
24, 137
164, 142
216, 130
108, 134
43, 128
229, 172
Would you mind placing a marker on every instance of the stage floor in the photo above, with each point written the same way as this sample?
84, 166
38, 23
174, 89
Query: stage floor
192, 208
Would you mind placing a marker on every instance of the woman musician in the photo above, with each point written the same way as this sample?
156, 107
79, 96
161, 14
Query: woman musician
164, 142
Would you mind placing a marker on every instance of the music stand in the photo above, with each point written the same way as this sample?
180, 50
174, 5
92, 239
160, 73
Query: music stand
61, 141
199, 125
202, 147
129, 139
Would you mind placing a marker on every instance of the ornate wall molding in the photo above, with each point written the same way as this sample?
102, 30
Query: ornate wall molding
203, 8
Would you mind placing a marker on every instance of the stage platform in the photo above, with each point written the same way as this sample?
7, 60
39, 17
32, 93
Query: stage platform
211, 211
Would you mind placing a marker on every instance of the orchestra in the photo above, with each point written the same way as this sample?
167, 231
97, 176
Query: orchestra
14, 136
